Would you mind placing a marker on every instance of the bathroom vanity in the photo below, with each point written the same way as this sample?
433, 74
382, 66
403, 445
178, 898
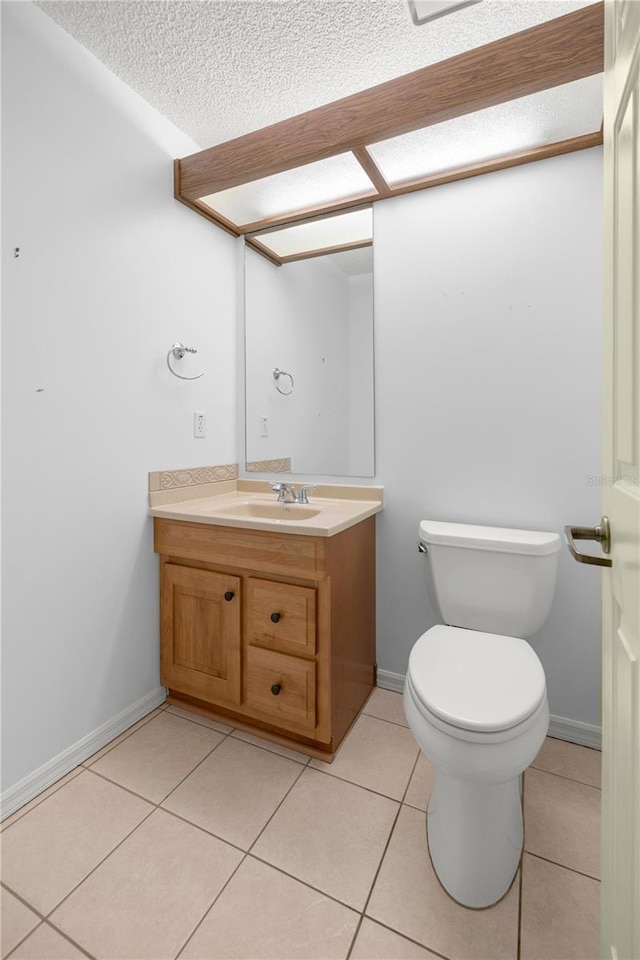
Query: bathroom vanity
268, 612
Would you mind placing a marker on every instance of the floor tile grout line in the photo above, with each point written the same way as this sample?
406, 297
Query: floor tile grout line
399, 933
35, 802
355, 936
374, 716
561, 776
121, 737
380, 862
47, 923
411, 775
212, 904
354, 783
201, 721
303, 763
193, 770
7, 886
520, 894
302, 770
521, 868
197, 826
114, 783
368, 900
563, 866
97, 865
305, 883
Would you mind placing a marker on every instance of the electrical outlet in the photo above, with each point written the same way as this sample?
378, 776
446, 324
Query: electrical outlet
199, 424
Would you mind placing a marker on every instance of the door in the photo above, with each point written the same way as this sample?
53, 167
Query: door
620, 912
200, 633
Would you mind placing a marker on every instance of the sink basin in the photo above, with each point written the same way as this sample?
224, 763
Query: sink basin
271, 511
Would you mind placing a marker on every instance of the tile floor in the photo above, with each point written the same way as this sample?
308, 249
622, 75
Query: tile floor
186, 838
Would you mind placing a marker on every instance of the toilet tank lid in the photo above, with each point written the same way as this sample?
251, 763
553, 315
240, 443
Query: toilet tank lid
499, 539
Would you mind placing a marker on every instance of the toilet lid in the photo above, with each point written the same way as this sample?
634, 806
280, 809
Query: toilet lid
476, 681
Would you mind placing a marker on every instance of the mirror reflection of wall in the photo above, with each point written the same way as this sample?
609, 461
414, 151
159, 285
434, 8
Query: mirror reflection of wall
312, 318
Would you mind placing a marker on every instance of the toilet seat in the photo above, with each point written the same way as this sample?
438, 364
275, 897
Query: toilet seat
477, 683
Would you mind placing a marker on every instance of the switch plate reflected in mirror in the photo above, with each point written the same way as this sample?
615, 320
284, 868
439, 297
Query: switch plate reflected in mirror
314, 319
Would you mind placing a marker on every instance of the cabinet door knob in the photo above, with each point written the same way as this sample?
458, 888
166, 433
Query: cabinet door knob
229, 595
275, 617
276, 688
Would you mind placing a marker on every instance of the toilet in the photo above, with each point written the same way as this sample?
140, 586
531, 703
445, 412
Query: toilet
475, 696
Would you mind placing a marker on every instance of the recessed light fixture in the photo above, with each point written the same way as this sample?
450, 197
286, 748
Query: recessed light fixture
422, 11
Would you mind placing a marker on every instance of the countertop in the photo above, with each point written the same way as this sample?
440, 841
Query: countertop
332, 508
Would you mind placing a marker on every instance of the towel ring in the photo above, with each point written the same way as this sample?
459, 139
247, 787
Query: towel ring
178, 350
276, 376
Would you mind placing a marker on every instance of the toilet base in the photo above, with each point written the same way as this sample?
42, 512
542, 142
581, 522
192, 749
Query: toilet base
475, 837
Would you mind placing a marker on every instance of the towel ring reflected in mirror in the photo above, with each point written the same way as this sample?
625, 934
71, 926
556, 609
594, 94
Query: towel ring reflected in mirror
277, 373
178, 351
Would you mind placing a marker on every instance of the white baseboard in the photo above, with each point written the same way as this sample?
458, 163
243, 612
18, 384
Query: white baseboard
585, 734
30, 786
390, 681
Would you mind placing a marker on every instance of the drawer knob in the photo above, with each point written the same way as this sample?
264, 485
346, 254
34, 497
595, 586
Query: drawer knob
276, 688
229, 595
275, 617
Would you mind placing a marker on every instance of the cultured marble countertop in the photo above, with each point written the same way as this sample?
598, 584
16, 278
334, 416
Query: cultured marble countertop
252, 505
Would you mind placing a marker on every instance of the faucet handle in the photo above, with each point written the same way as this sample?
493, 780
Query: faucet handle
304, 490
280, 488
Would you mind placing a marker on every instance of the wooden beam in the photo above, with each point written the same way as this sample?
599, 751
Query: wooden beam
372, 170
201, 208
263, 251
325, 251
555, 52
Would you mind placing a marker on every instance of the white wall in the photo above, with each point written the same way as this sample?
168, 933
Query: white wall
112, 270
488, 313
297, 320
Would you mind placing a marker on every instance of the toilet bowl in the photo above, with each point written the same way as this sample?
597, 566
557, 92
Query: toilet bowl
476, 700
481, 734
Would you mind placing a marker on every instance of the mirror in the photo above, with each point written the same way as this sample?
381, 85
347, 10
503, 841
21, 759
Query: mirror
309, 364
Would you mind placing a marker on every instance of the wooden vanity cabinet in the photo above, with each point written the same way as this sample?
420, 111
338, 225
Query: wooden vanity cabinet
271, 632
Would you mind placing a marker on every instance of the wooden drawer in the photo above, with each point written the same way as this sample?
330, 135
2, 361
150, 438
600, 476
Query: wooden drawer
281, 616
249, 550
293, 706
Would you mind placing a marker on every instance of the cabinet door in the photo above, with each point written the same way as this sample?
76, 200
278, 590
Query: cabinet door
281, 616
200, 633
281, 688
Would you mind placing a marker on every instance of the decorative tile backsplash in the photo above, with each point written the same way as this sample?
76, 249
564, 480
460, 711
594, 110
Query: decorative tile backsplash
192, 476
283, 465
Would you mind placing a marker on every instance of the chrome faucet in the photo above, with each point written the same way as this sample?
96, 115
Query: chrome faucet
284, 489
287, 493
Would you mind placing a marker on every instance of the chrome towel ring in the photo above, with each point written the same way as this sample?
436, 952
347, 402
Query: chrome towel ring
276, 376
178, 351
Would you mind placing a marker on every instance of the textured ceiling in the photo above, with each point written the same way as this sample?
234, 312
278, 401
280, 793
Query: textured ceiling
221, 68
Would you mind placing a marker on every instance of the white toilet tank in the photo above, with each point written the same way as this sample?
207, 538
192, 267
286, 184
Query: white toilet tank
490, 578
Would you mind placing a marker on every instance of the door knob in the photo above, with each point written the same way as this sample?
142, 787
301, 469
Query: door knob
601, 535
